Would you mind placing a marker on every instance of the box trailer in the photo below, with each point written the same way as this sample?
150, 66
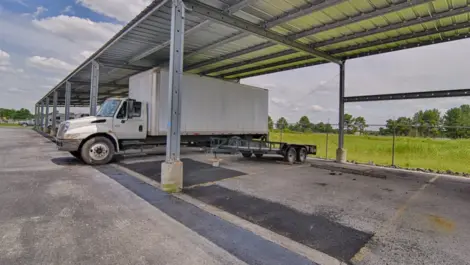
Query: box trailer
209, 108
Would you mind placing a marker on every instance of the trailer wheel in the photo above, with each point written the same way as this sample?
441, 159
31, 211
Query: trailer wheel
246, 154
291, 155
259, 155
302, 155
97, 151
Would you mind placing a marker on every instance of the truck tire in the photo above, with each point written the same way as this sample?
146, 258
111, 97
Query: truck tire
97, 151
77, 155
259, 155
246, 154
301, 154
291, 155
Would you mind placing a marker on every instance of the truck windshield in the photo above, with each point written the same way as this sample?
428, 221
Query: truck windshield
108, 108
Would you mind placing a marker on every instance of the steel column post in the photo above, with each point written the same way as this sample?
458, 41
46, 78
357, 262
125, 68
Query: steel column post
172, 168
95, 79
46, 123
341, 152
41, 117
54, 115
68, 93
36, 113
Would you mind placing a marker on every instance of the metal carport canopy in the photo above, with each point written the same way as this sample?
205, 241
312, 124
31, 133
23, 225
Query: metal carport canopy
233, 39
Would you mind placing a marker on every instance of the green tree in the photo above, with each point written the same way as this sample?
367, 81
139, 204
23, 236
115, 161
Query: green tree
360, 124
349, 123
270, 123
455, 118
304, 124
281, 123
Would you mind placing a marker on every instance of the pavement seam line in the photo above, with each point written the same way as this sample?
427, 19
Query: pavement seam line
388, 226
139, 176
312, 254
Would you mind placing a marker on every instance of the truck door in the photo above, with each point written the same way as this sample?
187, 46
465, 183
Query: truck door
130, 124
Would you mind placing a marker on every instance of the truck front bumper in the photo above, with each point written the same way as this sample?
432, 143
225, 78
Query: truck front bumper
68, 145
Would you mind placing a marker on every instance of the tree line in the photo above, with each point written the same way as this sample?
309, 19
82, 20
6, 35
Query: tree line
424, 123
12, 114
352, 125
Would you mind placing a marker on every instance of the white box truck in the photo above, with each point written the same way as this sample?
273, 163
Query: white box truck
209, 108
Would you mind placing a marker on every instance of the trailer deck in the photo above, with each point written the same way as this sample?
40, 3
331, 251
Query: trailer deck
291, 152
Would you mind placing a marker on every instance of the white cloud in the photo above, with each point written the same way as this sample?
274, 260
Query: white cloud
279, 102
39, 11
4, 58
21, 2
86, 54
6, 65
78, 30
50, 64
15, 90
317, 108
122, 10
67, 10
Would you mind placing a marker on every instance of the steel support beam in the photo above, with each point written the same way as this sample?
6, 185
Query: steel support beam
94, 87
172, 168
41, 117
218, 43
87, 83
36, 116
68, 95
358, 18
122, 65
339, 51
235, 22
411, 95
249, 61
341, 152
407, 23
395, 7
46, 123
232, 9
254, 48
54, 113
304, 10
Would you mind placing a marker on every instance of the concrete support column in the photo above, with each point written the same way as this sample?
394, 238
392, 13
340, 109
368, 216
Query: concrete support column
46, 122
172, 168
41, 117
341, 152
68, 93
95, 79
54, 114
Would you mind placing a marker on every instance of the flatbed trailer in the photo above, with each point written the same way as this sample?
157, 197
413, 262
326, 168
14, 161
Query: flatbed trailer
291, 152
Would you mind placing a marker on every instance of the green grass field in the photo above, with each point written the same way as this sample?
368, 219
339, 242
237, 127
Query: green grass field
410, 152
12, 125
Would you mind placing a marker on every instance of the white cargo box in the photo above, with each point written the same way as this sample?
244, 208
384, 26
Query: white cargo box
209, 106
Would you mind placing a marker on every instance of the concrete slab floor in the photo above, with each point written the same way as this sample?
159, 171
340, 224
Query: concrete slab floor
56, 211
414, 218
73, 214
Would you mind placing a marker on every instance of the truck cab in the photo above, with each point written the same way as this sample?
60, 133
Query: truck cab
95, 139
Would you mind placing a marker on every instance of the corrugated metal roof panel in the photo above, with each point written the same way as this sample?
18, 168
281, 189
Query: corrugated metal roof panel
343, 28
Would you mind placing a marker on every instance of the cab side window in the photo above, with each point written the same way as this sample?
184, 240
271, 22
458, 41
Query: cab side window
137, 109
122, 111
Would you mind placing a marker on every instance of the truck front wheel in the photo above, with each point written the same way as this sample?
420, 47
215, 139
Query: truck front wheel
97, 151
76, 154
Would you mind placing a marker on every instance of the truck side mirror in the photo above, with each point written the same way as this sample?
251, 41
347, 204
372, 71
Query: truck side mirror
130, 108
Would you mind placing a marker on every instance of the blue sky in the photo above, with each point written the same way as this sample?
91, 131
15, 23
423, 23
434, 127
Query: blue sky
54, 8
41, 41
